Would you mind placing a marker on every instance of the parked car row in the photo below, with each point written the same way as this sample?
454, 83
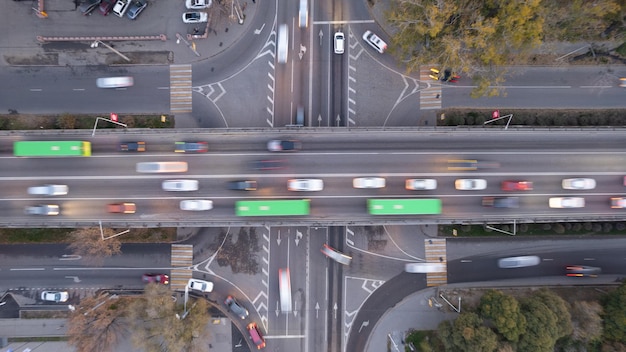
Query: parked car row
196, 16
130, 8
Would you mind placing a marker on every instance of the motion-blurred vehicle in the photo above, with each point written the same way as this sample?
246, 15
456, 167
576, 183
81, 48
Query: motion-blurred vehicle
180, 185
276, 145
368, 182
256, 336
265, 165
517, 186
162, 166
462, 165
423, 268
582, 270
618, 202
417, 184
195, 17
122, 208
622, 82
501, 202
242, 185
43, 209
518, 262
236, 307
335, 255
305, 185
48, 190
133, 146
374, 41
163, 279
114, 82
55, 296
578, 183
200, 285
191, 147
566, 202
196, 204
470, 184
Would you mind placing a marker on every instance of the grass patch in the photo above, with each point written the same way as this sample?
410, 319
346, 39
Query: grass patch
547, 229
44, 314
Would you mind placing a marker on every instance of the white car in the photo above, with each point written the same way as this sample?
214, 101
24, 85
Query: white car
196, 204
197, 4
335, 255
305, 184
470, 184
374, 41
368, 182
115, 82
195, 17
55, 296
567, 202
48, 190
578, 183
200, 285
339, 42
120, 7
416, 184
180, 185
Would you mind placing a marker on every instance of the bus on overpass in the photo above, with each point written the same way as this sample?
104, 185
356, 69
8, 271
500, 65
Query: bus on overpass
289, 207
52, 148
404, 206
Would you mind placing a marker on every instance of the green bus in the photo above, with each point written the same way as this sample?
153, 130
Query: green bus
272, 207
52, 148
404, 206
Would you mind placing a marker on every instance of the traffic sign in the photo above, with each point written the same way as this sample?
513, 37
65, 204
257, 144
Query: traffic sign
113, 117
495, 114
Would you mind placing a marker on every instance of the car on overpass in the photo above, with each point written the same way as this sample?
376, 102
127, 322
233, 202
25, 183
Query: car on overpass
122, 208
139, 146
470, 184
48, 190
578, 183
305, 185
618, 202
196, 204
180, 185
517, 186
289, 145
191, 147
242, 185
43, 209
566, 202
420, 184
368, 182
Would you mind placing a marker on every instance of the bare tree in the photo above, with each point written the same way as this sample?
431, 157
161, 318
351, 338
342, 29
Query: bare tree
158, 323
97, 324
88, 243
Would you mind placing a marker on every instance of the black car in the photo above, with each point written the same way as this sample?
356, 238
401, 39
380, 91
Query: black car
236, 307
133, 146
501, 202
242, 185
87, 6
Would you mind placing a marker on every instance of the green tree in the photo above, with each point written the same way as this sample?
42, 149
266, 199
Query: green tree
504, 311
476, 37
88, 243
615, 315
559, 307
541, 327
467, 334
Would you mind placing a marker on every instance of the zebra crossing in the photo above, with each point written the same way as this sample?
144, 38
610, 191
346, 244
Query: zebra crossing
436, 253
181, 260
430, 97
180, 88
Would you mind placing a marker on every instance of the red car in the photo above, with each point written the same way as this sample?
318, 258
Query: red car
517, 186
156, 278
106, 6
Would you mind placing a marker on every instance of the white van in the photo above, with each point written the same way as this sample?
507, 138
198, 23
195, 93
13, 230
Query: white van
425, 268
282, 46
304, 14
162, 166
284, 290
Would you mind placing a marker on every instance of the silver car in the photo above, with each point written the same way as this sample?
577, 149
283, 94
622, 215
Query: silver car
305, 185
519, 262
415, 184
43, 209
196, 204
566, 202
180, 185
200, 285
368, 182
335, 255
470, 184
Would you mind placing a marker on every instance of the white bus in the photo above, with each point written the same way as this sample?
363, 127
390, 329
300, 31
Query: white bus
284, 285
282, 46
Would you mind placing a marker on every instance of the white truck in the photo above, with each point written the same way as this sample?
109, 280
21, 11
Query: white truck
48, 190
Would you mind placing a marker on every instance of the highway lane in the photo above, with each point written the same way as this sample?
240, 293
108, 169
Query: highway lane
110, 176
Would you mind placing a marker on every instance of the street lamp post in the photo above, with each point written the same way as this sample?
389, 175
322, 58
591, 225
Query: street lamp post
105, 119
95, 45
